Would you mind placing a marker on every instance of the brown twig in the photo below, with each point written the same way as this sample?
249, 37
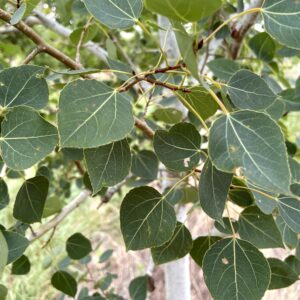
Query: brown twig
145, 128
32, 55
81, 40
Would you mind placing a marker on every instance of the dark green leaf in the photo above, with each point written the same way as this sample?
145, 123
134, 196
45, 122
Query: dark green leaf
184, 11
125, 70
138, 288
263, 46
168, 115
240, 194
78, 246
115, 13
223, 68
201, 246
249, 91
16, 244
21, 146
282, 21
290, 99
92, 114
108, 165
235, 269
178, 149
282, 275
65, 283
23, 85
253, 143
21, 266
177, 247
213, 190
147, 220
30, 200
174, 196
259, 229
294, 263
145, 165
199, 102
289, 209
225, 227
289, 237
4, 196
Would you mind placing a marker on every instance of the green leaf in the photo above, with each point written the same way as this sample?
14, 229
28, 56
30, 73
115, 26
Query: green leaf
263, 46
235, 269
138, 288
18, 14
223, 68
126, 71
168, 115
253, 143
184, 10
289, 209
178, 149
290, 99
21, 266
26, 138
105, 256
177, 247
3, 292
4, 254
89, 34
295, 169
78, 246
282, 275
147, 220
240, 194
116, 14
30, 200
23, 85
282, 21
249, 91
52, 206
199, 102
213, 190
145, 165
289, 237
259, 229
225, 226
200, 246
108, 165
16, 243
186, 47
92, 114
65, 283
293, 263
4, 200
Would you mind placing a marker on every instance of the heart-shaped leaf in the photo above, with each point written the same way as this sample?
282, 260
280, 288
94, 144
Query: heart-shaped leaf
26, 138
249, 91
184, 10
30, 200
115, 13
108, 165
228, 263
65, 283
213, 190
282, 21
253, 143
177, 247
78, 246
92, 114
259, 229
147, 219
23, 85
178, 149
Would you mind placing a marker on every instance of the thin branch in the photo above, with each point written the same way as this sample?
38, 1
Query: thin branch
241, 28
83, 196
32, 55
144, 127
81, 40
32, 35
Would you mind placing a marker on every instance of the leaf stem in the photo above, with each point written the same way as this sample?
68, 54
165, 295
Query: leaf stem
249, 11
230, 222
